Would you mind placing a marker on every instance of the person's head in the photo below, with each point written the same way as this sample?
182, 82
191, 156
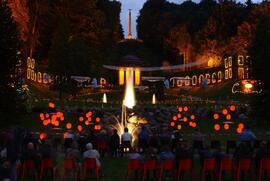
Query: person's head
30, 146
89, 146
126, 130
115, 131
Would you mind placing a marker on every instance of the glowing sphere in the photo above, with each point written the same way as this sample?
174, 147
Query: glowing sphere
81, 119
89, 119
51, 105
217, 127
216, 116
180, 109
98, 119
239, 130
68, 125
241, 125
224, 111
248, 85
192, 117
97, 127
179, 126
86, 123
47, 115
226, 126
79, 128
228, 116
174, 118
185, 119
179, 115
185, 108
232, 107
56, 123
172, 124
42, 136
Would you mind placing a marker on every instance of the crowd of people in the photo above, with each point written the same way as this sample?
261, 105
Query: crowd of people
19, 145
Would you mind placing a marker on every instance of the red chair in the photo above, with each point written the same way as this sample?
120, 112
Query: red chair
46, 164
149, 165
91, 164
102, 147
244, 165
185, 165
133, 165
226, 165
70, 165
166, 165
209, 165
29, 165
264, 166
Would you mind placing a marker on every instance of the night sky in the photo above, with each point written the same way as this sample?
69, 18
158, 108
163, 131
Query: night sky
136, 5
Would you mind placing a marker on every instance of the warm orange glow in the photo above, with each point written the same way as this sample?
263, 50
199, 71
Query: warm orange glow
54, 117
45, 122
47, 115
41, 115
79, 128
86, 123
185, 119
239, 130
68, 125
98, 119
42, 136
56, 123
185, 108
232, 107
192, 117
179, 126
97, 127
224, 111
226, 126
180, 109
121, 77
59, 114
174, 118
172, 124
228, 117
179, 115
216, 116
89, 119
190, 123
62, 118
51, 105
81, 119
241, 125
88, 114
217, 127
194, 125
137, 77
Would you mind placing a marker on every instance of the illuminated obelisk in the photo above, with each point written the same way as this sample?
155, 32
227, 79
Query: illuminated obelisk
129, 26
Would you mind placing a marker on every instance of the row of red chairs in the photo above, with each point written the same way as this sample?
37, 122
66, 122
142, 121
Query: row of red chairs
209, 165
70, 165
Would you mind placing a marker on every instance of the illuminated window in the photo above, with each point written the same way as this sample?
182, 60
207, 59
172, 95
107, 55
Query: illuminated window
194, 80
240, 60
226, 63
230, 62
230, 73
226, 74
241, 74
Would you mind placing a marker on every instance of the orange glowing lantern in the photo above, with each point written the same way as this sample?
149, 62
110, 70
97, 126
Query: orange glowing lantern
192, 117
216, 116
81, 119
54, 117
59, 114
228, 117
232, 107
51, 105
185, 119
217, 127
194, 125
89, 114
98, 119
68, 125
224, 111
45, 122
190, 123
62, 118
179, 126
180, 109
179, 115
239, 130
185, 108
89, 119
47, 115
41, 115
97, 127
241, 125
56, 123
79, 128
226, 126
174, 118
172, 124
86, 123
42, 136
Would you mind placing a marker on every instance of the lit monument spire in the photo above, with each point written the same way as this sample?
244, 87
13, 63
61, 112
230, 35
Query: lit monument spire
129, 26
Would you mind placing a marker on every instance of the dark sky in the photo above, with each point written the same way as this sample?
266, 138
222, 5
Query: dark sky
136, 5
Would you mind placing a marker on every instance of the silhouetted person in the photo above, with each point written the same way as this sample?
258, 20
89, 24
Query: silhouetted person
114, 143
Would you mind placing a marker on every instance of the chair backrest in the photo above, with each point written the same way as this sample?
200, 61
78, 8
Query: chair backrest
69, 163
134, 164
90, 163
167, 164
150, 164
244, 164
209, 164
226, 164
46, 163
29, 164
185, 164
265, 164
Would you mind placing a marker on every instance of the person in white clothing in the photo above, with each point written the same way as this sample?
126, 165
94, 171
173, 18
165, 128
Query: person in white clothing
91, 153
126, 140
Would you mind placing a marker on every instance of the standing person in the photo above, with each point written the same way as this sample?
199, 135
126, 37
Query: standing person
143, 139
114, 143
126, 140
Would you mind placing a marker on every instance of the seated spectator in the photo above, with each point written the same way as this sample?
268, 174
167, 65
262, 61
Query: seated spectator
183, 151
47, 151
92, 153
114, 143
166, 153
218, 154
150, 153
247, 135
243, 151
143, 139
176, 138
73, 152
262, 152
133, 154
31, 154
206, 152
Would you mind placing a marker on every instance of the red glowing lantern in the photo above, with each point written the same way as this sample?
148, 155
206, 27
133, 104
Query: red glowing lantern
174, 118
54, 117
56, 123
180, 109
45, 122
190, 123
68, 125
216, 116
41, 115
47, 115
98, 119
185, 119
42, 136
217, 127
59, 114
86, 123
81, 119
89, 114
241, 125
97, 127
179, 126
185, 108
79, 128
192, 117
228, 117
194, 125
232, 107
226, 126
179, 115
51, 105
172, 124
62, 118
239, 130
89, 119
224, 111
